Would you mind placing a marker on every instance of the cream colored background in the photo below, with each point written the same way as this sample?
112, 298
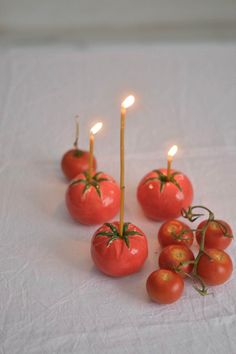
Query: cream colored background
90, 20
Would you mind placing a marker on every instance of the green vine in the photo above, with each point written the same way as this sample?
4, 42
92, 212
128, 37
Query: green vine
114, 233
192, 214
88, 182
163, 179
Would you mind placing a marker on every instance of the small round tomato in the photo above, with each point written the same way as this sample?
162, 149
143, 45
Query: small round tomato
215, 267
162, 198
76, 161
117, 255
93, 201
173, 256
164, 286
175, 232
215, 234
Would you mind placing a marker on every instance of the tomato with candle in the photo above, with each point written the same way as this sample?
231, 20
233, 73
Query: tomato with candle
93, 200
177, 257
120, 248
214, 267
164, 286
218, 234
118, 254
175, 232
162, 197
76, 161
164, 193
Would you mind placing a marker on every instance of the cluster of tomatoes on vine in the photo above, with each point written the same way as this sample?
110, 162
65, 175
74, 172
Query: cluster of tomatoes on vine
212, 265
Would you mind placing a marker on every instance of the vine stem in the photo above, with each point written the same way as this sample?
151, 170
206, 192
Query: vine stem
76, 143
188, 214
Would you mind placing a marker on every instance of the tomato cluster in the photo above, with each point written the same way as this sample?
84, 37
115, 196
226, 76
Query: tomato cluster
212, 265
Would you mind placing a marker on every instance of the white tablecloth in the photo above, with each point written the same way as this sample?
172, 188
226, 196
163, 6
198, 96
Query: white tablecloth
52, 299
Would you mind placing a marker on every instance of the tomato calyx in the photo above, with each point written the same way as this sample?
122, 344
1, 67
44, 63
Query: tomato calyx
191, 216
93, 181
179, 235
78, 153
163, 179
114, 233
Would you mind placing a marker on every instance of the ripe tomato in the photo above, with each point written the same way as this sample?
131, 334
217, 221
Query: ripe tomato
163, 199
75, 162
172, 232
95, 201
115, 255
164, 286
171, 257
216, 268
214, 236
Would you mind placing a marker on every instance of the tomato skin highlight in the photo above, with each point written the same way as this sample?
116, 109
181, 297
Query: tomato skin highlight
168, 203
217, 269
164, 286
117, 259
75, 162
171, 256
90, 209
214, 236
166, 238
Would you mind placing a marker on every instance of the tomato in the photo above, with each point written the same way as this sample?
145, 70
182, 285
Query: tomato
215, 267
214, 236
164, 286
74, 162
95, 201
118, 256
171, 257
163, 199
171, 232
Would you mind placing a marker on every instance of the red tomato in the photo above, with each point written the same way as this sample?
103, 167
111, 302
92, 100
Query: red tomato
162, 199
216, 268
164, 286
93, 202
118, 256
74, 162
171, 233
171, 257
214, 236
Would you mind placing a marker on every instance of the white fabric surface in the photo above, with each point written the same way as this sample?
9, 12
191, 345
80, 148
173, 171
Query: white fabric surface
52, 299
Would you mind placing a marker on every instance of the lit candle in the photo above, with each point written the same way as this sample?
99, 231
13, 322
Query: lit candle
171, 154
128, 102
94, 130
76, 132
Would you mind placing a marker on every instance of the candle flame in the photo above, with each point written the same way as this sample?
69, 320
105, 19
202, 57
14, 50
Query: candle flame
172, 151
129, 101
95, 129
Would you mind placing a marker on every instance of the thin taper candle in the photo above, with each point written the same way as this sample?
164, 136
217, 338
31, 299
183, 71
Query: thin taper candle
169, 161
171, 154
122, 168
91, 149
93, 131
125, 104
